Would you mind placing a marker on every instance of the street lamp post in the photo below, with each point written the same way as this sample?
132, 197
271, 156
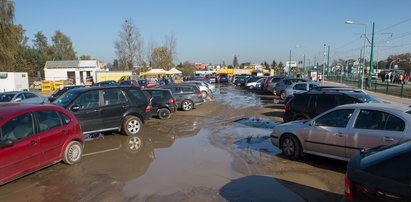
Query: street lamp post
364, 49
289, 65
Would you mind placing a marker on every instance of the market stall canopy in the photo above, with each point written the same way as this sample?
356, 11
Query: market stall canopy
155, 72
174, 71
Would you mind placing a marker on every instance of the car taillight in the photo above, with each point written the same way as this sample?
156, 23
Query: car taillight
348, 188
172, 101
200, 95
148, 108
287, 104
173, 137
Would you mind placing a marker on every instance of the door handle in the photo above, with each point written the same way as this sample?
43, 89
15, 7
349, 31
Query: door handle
33, 142
340, 134
97, 110
63, 132
388, 139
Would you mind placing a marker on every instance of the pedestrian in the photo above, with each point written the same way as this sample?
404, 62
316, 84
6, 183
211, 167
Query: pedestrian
391, 77
400, 79
407, 78
383, 77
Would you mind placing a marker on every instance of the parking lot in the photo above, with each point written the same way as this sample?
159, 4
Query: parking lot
219, 151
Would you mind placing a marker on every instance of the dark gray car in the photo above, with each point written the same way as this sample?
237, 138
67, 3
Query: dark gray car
187, 96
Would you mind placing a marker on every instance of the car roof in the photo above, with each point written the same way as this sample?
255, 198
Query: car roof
384, 106
12, 108
14, 92
80, 90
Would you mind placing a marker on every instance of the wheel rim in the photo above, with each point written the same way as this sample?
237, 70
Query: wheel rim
133, 126
164, 113
134, 143
187, 105
74, 153
288, 147
204, 94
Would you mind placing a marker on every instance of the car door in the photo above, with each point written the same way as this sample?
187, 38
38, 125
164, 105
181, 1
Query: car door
327, 133
52, 133
373, 128
299, 88
114, 106
86, 108
25, 154
324, 103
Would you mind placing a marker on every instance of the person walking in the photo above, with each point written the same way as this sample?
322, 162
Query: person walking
400, 79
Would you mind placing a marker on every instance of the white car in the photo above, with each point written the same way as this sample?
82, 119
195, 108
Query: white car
253, 84
341, 132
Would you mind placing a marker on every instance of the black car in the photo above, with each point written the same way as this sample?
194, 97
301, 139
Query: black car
106, 83
310, 104
163, 103
60, 92
240, 80
380, 174
100, 109
132, 83
187, 96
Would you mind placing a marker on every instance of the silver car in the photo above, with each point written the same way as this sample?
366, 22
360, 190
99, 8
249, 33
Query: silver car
204, 88
22, 97
344, 130
299, 87
284, 83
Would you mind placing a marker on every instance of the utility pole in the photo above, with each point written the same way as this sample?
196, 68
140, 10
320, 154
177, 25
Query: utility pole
361, 71
372, 52
304, 65
289, 65
322, 77
315, 62
328, 62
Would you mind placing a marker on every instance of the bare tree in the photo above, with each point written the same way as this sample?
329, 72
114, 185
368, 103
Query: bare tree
129, 46
170, 42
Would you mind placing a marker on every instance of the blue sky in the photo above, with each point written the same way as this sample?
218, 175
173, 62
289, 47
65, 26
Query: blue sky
213, 31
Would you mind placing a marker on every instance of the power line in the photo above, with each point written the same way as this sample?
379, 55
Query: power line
389, 27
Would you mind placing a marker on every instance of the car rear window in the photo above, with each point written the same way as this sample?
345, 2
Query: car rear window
275, 80
366, 98
187, 89
158, 94
138, 94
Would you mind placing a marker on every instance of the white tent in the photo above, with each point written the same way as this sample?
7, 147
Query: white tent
155, 72
174, 71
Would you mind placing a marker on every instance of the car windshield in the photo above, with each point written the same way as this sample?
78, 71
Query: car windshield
367, 99
65, 99
6, 97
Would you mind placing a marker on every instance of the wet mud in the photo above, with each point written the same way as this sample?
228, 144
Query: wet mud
219, 151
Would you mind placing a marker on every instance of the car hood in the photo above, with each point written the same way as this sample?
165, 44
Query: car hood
292, 124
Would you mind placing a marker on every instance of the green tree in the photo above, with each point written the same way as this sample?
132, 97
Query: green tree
62, 47
10, 36
235, 62
161, 58
85, 57
187, 69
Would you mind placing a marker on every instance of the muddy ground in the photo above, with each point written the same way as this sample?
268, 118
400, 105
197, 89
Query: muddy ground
219, 151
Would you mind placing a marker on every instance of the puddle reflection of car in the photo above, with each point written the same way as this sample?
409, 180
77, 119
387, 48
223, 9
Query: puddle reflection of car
123, 157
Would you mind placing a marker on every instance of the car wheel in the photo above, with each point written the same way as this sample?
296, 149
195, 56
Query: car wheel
133, 144
73, 152
290, 146
205, 94
131, 125
164, 114
282, 95
187, 105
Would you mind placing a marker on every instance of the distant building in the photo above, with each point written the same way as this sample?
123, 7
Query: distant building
75, 71
249, 65
200, 66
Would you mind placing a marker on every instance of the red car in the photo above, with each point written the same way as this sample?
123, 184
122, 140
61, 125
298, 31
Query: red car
35, 136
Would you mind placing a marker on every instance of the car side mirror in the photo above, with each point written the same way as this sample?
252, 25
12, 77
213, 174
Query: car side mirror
17, 99
312, 123
75, 108
6, 143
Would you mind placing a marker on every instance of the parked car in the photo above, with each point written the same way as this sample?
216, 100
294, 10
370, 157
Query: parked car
187, 96
132, 83
106, 83
212, 79
284, 83
240, 80
34, 136
299, 87
204, 88
344, 130
223, 79
100, 109
252, 82
57, 93
260, 83
22, 97
271, 82
310, 104
163, 103
380, 174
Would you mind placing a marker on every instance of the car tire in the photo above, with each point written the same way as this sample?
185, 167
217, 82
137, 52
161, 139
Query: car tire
290, 146
131, 125
205, 94
73, 153
164, 114
282, 95
187, 105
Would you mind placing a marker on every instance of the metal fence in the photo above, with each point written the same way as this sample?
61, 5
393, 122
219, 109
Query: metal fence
375, 85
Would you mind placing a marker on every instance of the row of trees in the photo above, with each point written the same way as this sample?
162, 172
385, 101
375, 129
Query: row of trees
17, 55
